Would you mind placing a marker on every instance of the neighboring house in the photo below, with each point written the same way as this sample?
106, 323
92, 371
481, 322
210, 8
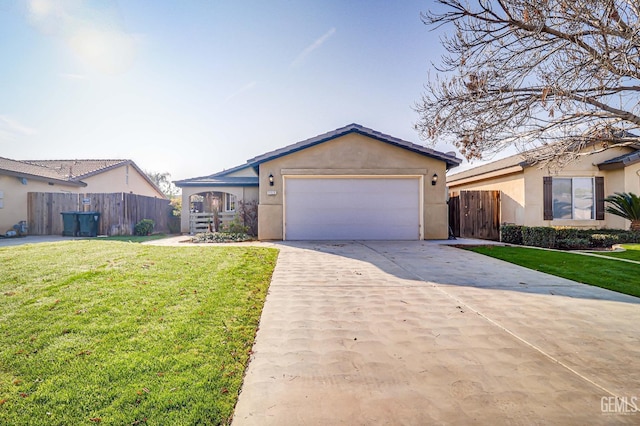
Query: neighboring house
352, 183
573, 196
18, 178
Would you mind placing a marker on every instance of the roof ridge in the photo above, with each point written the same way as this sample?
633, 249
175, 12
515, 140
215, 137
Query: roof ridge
451, 160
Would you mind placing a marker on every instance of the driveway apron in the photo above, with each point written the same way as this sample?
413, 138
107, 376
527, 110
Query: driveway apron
418, 333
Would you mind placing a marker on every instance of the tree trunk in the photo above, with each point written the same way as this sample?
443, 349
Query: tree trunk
635, 225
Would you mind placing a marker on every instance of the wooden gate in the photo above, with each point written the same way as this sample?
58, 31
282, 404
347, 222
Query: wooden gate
475, 214
119, 212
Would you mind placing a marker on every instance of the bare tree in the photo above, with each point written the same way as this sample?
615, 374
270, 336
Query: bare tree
561, 75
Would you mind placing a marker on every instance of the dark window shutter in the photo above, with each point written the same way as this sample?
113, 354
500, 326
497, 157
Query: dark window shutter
599, 198
547, 197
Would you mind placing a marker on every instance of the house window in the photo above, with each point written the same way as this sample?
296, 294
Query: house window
230, 203
573, 198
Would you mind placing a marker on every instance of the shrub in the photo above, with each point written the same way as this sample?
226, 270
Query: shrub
539, 236
511, 234
573, 243
629, 237
566, 238
220, 237
144, 227
603, 240
235, 227
564, 233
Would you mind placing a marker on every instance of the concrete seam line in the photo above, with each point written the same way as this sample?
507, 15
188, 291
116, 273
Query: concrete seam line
496, 324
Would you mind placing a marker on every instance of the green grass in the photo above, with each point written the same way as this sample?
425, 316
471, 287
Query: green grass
632, 253
134, 238
117, 333
610, 274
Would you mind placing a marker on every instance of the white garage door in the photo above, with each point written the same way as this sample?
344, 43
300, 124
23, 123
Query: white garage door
352, 209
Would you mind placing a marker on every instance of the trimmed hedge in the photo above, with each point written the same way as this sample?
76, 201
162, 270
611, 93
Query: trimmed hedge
566, 238
539, 236
511, 234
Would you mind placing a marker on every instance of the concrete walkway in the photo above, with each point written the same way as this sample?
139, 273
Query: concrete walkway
417, 333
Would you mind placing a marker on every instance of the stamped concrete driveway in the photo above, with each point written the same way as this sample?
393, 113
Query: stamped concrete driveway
418, 333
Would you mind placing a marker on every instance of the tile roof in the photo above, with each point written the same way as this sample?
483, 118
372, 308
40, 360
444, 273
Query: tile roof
450, 159
25, 169
70, 172
77, 169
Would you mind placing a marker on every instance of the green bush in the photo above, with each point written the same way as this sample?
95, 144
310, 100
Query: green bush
539, 236
572, 243
566, 238
603, 240
220, 237
235, 227
144, 227
563, 233
511, 234
629, 237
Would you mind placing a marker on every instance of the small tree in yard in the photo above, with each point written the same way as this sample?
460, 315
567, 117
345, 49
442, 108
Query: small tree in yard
560, 75
163, 181
626, 205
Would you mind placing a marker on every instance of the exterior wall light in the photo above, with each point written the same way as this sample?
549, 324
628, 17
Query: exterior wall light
434, 179
270, 179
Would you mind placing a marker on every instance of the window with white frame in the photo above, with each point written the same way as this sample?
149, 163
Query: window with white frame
573, 198
230, 203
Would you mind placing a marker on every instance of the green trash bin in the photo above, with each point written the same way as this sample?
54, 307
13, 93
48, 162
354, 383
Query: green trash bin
70, 224
88, 224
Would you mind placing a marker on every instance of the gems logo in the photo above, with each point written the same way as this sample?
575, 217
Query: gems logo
619, 405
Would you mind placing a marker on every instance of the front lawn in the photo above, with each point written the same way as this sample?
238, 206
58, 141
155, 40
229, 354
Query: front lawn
632, 253
117, 333
134, 238
610, 274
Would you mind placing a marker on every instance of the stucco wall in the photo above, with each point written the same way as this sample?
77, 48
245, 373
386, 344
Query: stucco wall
522, 193
121, 179
14, 198
512, 195
354, 155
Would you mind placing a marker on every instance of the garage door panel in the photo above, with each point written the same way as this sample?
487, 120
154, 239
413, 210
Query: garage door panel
347, 209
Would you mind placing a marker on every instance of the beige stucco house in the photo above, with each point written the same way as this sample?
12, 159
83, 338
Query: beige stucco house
531, 195
18, 178
353, 183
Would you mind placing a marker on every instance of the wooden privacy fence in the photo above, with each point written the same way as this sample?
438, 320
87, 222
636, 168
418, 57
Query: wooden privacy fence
119, 212
475, 214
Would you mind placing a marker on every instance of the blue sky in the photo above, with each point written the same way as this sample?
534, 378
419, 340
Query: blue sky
193, 87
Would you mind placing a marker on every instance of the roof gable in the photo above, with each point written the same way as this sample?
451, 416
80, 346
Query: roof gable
69, 172
450, 159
